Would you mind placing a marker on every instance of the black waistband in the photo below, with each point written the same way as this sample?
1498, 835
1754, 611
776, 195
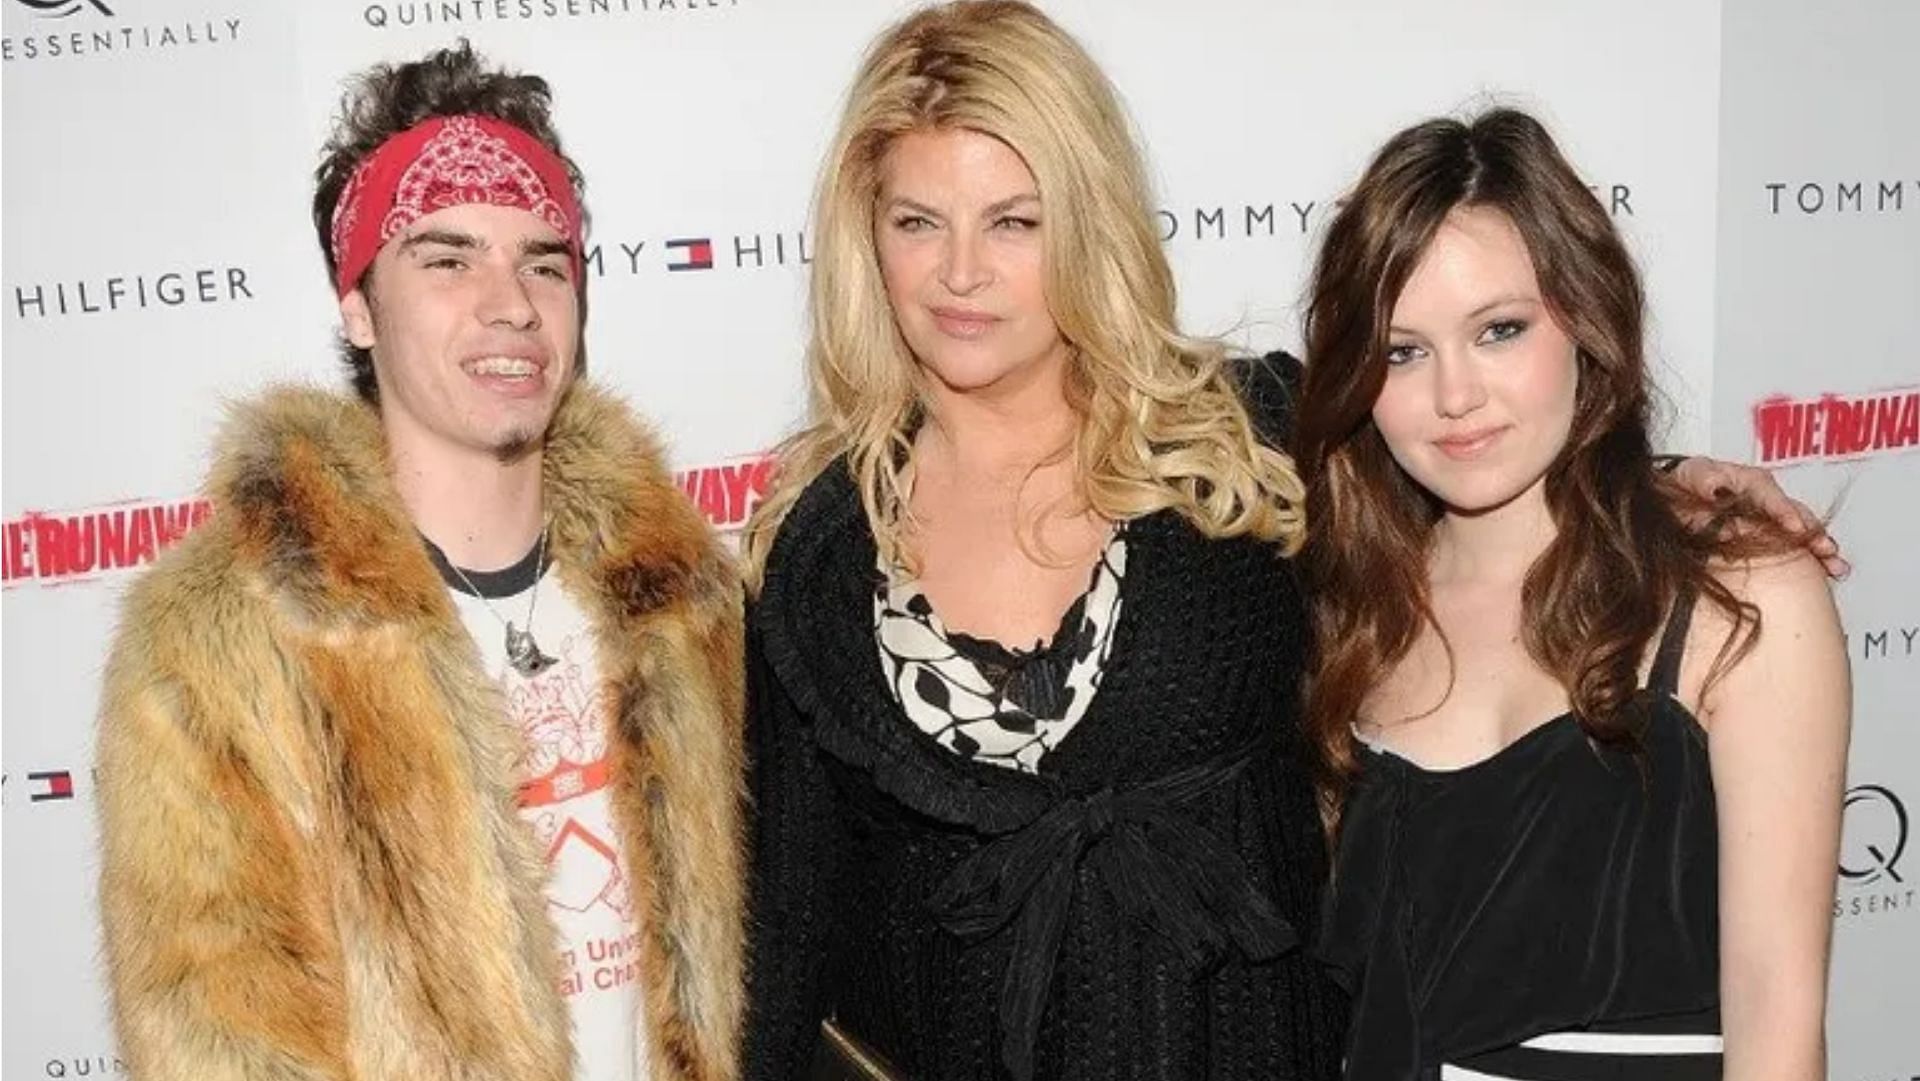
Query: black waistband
1158, 863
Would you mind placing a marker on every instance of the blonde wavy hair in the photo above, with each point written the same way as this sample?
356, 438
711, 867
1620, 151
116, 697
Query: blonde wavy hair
1161, 422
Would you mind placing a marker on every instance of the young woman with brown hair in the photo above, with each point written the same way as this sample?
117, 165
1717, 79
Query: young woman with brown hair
1586, 756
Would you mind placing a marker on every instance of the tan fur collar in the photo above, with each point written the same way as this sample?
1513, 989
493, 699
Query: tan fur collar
303, 477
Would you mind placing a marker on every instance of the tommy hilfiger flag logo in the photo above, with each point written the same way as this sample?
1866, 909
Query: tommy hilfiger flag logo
697, 252
54, 784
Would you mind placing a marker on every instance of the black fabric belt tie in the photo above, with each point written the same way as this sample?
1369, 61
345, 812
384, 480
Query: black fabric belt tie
1153, 861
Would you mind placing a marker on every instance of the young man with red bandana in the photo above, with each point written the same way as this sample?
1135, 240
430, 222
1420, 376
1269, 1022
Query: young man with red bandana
422, 759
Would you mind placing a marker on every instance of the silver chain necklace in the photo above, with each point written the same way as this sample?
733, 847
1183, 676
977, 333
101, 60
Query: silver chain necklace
523, 653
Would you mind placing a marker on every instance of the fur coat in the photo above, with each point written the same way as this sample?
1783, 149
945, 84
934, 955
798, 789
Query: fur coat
312, 863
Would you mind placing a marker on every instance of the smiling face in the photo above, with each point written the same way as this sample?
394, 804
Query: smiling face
473, 319
1481, 379
959, 229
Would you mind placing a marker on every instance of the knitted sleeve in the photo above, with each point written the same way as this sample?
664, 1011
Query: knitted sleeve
799, 844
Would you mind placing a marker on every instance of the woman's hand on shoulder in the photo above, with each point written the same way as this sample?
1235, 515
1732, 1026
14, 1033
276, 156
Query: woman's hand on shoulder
1708, 478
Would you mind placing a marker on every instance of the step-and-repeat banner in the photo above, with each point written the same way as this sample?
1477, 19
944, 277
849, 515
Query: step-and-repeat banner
158, 262
1816, 375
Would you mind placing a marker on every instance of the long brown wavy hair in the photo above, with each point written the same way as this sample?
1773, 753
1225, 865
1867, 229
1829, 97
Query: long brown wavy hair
1598, 595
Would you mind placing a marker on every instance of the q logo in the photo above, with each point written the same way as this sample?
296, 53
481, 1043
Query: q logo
60, 9
1874, 835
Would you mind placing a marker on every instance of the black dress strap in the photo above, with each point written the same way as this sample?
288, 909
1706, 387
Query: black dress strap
1665, 677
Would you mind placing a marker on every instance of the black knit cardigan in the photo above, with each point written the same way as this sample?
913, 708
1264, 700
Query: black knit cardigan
1133, 911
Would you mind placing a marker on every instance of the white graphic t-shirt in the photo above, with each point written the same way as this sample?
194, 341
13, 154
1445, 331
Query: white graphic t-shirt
564, 714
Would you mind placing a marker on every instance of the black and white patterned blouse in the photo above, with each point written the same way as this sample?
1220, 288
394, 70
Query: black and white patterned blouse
985, 701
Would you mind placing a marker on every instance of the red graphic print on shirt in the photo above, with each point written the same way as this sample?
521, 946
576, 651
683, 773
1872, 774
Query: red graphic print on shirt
563, 721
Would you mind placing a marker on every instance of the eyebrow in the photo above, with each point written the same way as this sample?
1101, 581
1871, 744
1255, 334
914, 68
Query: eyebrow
1510, 298
1001, 207
1012, 201
540, 247
446, 238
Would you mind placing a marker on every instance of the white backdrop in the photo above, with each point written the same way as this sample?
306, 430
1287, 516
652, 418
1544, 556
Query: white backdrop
158, 259
1818, 301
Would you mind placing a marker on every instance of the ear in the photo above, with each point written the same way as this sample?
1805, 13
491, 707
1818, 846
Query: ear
356, 318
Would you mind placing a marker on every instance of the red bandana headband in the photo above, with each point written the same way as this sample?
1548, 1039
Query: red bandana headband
441, 162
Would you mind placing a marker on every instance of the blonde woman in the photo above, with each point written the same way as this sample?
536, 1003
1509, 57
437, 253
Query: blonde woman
993, 836
1024, 653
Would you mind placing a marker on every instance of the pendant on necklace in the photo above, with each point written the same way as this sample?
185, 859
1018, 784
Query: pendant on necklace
524, 653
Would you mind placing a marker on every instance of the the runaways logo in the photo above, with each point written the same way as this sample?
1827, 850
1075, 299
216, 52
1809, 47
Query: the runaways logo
728, 492
55, 548
46, 548
1873, 843
1835, 427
